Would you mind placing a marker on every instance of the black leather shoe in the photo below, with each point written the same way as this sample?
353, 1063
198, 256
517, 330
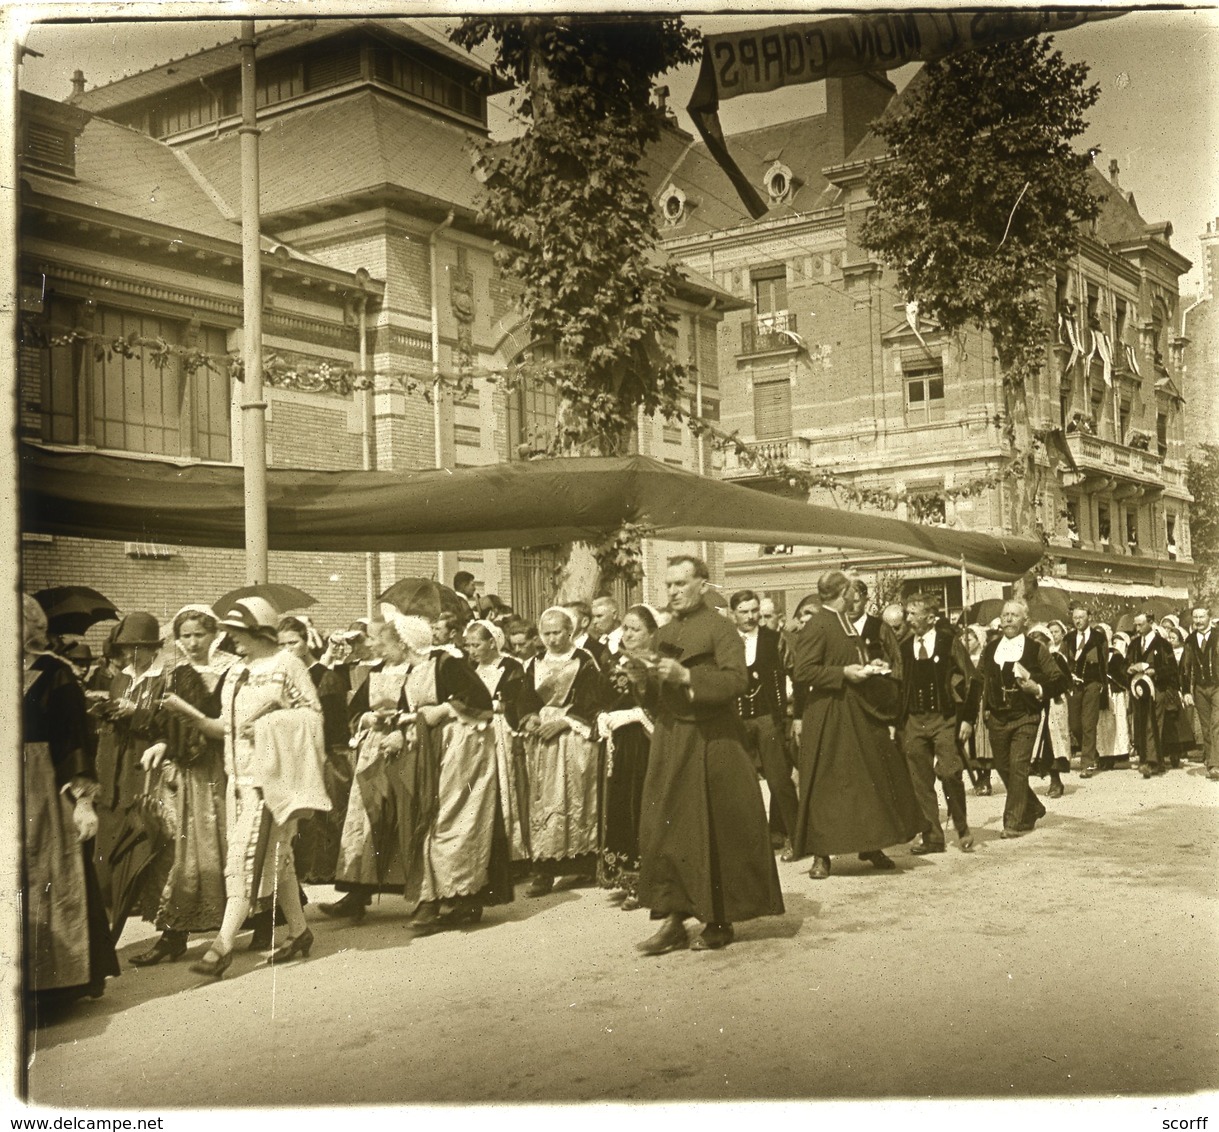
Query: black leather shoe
298, 946
170, 946
1145, 770
671, 937
1089, 772
878, 859
966, 841
820, 869
922, 848
214, 967
352, 906
789, 852
1055, 791
713, 938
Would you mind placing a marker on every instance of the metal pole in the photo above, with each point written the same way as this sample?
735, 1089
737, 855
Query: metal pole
253, 407
370, 557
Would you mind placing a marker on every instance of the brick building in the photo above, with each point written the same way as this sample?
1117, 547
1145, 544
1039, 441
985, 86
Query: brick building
373, 252
831, 374
1200, 331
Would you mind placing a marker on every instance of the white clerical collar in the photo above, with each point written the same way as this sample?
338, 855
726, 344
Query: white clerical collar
1009, 649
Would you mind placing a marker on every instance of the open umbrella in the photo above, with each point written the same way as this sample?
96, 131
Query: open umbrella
74, 609
424, 597
283, 597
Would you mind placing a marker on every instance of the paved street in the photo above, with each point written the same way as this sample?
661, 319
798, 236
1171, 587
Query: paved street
1078, 961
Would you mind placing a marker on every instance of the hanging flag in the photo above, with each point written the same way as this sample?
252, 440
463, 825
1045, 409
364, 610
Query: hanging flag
1073, 336
1091, 352
912, 320
1106, 356
1132, 358
764, 59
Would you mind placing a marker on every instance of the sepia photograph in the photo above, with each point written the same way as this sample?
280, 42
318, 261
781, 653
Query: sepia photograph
595, 564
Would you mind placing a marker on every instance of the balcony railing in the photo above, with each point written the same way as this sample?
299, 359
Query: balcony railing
795, 451
769, 333
1106, 455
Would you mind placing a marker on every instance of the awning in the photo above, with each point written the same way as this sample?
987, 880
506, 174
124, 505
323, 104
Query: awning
527, 503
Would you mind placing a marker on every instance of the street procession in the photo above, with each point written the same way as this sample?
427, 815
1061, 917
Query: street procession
539, 581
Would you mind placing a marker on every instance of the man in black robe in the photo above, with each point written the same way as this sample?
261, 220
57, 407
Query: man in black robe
1154, 679
855, 790
703, 838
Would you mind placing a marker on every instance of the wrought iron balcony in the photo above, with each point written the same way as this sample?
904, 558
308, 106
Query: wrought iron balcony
769, 333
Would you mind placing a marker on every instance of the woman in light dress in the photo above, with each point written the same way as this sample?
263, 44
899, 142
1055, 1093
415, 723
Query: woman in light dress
563, 693
271, 723
1113, 723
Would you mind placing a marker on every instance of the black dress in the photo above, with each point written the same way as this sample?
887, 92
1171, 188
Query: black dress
623, 770
67, 947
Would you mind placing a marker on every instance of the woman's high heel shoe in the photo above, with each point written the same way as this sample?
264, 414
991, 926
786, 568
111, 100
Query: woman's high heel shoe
285, 951
168, 946
215, 967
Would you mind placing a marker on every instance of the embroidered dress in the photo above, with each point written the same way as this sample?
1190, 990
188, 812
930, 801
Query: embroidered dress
268, 785
369, 846
458, 856
626, 732
563, 818
504, 680
192, 778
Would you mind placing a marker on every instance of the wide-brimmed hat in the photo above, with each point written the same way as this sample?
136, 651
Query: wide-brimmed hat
139, 629
1143, 687
253, 615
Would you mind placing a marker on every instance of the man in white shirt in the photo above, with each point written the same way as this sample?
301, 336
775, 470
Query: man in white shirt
763, 710
1017, 676
606, 625
1200, 683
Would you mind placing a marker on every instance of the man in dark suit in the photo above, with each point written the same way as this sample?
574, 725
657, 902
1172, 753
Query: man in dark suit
1200, 683
763, 709
1017, 674
1154, 678
1087, 653
927, 721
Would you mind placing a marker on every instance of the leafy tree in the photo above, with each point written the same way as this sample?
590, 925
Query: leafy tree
568, 196
977, 202
1202, 479
569, 199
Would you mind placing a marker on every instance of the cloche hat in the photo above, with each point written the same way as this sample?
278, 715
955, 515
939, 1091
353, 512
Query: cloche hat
253, 615
139, 629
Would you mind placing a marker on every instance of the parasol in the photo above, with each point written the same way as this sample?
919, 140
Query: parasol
424, 597
74, 609
283, 597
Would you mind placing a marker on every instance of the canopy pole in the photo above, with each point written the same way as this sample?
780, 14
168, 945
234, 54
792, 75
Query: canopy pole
964, 588
371, 561
253, 407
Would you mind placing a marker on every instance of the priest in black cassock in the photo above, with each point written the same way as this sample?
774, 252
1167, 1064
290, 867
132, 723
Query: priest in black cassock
704, 840
855, 790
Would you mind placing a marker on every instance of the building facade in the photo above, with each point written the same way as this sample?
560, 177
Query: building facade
1200, 331
835, 375
375, 261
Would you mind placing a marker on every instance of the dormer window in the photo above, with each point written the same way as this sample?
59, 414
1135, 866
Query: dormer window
778, 182
673, 206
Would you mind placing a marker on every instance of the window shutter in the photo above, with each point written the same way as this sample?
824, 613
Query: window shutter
772, 409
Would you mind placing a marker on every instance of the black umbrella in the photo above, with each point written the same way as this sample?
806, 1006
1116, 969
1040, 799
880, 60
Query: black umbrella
280, 595
74, 609
424, 597
148, 831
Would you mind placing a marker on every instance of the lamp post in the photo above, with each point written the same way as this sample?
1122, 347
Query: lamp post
253, 406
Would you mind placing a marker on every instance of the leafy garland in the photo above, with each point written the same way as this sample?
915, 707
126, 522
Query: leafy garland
279, 372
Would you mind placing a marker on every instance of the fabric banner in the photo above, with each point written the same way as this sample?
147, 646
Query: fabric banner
765, 59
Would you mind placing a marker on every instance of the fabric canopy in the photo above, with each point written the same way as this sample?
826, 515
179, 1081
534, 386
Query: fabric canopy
529, 503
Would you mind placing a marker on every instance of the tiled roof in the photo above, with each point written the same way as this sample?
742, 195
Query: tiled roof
803, 145
1119, 220
124, 171
226, 56
344, 147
